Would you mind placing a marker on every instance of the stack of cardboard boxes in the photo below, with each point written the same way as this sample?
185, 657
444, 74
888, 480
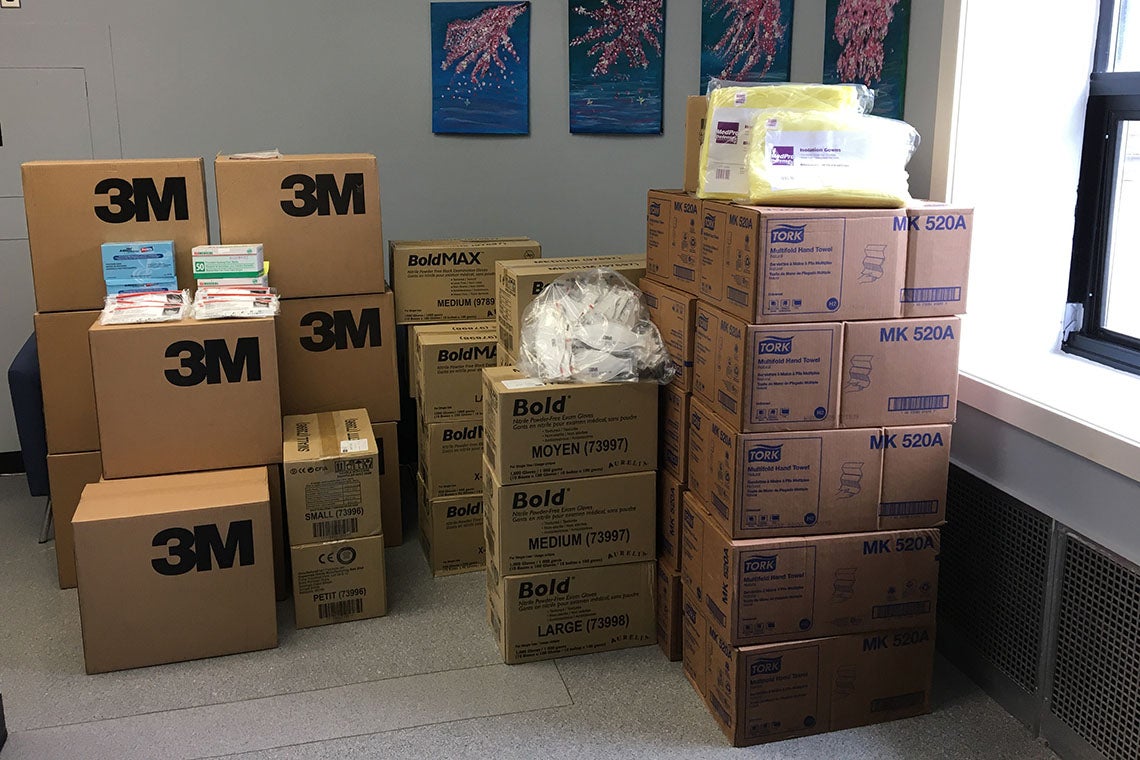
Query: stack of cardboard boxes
824, 381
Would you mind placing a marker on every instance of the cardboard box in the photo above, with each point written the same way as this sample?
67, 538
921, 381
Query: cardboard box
900, 372
670, 491
391, 512
67, 476
669, 612
451, 457
658, 208
458, 328
778, 265
769, 693
674, 312
535, 431
65, 377
568, 524
937, 259
450, 280
520, 282
174, 568
685, 243
318, 216
916, 468
696, 109
338, 581
785, 589
548, 615
339, 353
73, 207
332, 477
694, 628
451, 533
449, 376
675, 432
694, 524
186, 396
768, 377
504, 358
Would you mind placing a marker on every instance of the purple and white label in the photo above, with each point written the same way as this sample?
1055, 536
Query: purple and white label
783, 155
727, 132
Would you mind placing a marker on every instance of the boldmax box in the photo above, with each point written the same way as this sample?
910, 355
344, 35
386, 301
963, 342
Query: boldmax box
537, 431
73, 207
488, 328
186, 396
451, 457
451, 532
449, 384
318, 217
450, 280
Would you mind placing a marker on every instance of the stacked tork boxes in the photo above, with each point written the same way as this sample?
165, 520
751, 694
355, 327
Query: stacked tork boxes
803, 487
569, 513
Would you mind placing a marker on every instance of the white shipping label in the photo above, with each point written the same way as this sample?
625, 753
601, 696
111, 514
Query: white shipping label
351, 447
527, 382
828, 158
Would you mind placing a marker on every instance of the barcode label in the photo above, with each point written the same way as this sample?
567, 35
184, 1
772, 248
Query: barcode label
724, 173
908, 508
727, 401
900, 609
737, 296
930, 295
340, 609
332, 528
898, 702
917, 403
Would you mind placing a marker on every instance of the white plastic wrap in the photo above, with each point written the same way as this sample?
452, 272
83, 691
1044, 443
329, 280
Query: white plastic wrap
135, 308
236, 302
590, 327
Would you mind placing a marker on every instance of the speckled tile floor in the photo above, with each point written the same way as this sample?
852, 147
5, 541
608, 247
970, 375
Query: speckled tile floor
424, 681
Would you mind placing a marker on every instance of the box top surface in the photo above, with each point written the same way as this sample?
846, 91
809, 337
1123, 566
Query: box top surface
509, 379
286, 158
920, 204
488, 335
109, 163
435, 243
808, 211
257, 322
328, 435
525, 266
455, 328
164, 494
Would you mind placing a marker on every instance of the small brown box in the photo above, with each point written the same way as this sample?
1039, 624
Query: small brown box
670, 492
454, 328
449, 379
65, 375
669, 612
674, 312
937, 259
338, 581
674, 432
451, 533
916, 470
68, 474
451, 458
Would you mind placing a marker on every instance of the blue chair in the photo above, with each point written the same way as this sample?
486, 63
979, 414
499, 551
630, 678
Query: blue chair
28, 405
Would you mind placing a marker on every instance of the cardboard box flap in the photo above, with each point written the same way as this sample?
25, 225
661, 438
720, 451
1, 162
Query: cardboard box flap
165, 494
241, 157
112, 164
308, 437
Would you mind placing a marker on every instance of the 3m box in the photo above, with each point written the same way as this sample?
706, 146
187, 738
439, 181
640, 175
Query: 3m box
317, 215
338, 581
391, 512
332, 480
674, 312
937, 259
67, 476
658, 209
670, 491
696, 110
138, 262
536, 431
65, 377
186, 396
775, 265
768, 377
520, 282
449, 378
228, 261
175, 568
73, 207
547, 615
451, 533
669, 611
458, 328
567, 524
451, 457
450, 280
900, 372
339, 353
675, 432
916, 468
784, 589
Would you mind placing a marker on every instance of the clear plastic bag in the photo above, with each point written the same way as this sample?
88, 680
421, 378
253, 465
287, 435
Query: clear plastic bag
236, 302
592, 326
136, 308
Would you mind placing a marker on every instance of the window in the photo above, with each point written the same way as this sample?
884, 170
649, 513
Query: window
1105, 276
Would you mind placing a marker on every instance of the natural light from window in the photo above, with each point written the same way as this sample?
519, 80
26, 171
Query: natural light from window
1122, 307
1127, 55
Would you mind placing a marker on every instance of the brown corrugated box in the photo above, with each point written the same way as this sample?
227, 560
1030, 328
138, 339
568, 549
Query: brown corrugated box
669, 612
391, 513
448, 379
338, 352
186, 396
451, 457
937, 259
67, 475
338, 581
451, 533
176, 567
535, 431
504, 357
685, 243
565, 524
73, 207
674, 432
694, 629
332, 477
900, 372
916, 468
65, 376
780, 265
694, 526
768, 377
457, 328
658, 209
674, 313
670, 491
451, 280
318, 217
696, 109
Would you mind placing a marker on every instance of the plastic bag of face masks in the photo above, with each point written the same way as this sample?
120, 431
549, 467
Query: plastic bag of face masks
732, 110
829, 158
592, 327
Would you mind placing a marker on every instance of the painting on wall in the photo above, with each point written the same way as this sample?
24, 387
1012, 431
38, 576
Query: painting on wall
617, 66
867, 43
480, 56
746, 40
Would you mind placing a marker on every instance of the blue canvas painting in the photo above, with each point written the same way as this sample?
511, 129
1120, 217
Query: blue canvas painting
746, 40
617, 66
480, 57
867, 43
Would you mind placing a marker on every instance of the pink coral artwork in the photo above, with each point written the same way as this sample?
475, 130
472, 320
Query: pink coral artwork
867, 43
746, 40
